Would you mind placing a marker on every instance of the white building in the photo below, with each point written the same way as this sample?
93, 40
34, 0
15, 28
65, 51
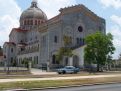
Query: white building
39, 39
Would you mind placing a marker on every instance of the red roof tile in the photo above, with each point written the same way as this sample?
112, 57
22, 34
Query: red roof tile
10, 43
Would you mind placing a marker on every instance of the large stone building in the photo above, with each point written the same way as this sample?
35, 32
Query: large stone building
1, 57
38, 39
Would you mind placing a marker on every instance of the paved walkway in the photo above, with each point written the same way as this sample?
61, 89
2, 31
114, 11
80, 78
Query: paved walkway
41, 72
58, 78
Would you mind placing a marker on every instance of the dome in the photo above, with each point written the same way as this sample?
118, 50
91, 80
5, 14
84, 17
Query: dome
33, 12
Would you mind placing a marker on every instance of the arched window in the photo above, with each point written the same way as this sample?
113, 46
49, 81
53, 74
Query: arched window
38, 21
12, 50
80, 29
81, 41
55, 39
35, 22
77, 41
25, 22
100, 28
53, 59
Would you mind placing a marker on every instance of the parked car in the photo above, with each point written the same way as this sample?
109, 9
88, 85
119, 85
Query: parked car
68, 69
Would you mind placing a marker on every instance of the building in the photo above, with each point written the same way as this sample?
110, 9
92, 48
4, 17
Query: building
1, 57
38, 39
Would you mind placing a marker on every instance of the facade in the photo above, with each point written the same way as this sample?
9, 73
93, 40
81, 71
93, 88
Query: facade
1, 57
38, 39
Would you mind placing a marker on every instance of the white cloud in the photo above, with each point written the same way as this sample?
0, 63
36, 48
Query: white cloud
9, 18
111, 3
116, 19
116, 32
51, 7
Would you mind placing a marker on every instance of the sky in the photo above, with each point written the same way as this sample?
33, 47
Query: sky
110, 10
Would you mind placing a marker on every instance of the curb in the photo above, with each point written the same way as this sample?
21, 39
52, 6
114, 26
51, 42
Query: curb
59, 87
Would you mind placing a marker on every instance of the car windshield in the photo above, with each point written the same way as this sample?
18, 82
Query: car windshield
69, 67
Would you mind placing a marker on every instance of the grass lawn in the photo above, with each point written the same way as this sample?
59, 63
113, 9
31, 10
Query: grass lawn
22, 75
42, 84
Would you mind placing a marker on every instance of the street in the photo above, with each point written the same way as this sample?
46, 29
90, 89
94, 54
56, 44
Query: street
106, 87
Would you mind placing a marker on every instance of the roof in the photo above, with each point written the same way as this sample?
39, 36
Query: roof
12, 43
17, 30
33, 12
82, 8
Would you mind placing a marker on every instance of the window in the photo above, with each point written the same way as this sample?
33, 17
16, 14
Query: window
70, 38
25, 22
37, 60
80, 28
44, 41
30, 58
35, 22
39, 22
31, 22
83, 41
11, 59
77, 40
66, 61
36, 37
53, 59
28, 22
12, 50
22, 49
38, 46
21, 41
100, 28
55, 39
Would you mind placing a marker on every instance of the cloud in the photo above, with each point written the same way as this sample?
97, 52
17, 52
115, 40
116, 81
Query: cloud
116, 19
116, 32
111, 3
9, 18
51, 7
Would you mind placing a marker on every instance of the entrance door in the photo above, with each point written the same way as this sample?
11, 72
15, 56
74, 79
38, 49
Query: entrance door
76, 61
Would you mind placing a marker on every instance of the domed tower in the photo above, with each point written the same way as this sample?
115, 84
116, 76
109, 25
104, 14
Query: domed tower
32, 17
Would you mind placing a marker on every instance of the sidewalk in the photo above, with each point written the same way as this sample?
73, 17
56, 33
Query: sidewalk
41, 72
59, 78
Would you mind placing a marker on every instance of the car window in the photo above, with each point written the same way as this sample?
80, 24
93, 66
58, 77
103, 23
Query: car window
67, 67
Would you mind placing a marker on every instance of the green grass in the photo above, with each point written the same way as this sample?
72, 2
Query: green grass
57, 83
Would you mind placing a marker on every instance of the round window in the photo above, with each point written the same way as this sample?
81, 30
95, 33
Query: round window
80, 29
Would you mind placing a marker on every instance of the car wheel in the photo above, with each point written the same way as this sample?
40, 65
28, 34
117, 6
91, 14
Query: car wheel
59, 72
64, 72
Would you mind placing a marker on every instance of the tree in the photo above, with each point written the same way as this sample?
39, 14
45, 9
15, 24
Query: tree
63, 52
66, 50
99, 49
25, 62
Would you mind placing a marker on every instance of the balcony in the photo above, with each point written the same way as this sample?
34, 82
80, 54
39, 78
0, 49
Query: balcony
31, 50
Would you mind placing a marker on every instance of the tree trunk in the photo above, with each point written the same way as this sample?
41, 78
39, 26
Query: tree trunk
98, 67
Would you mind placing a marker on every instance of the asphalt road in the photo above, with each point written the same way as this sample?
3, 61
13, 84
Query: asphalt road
107, 87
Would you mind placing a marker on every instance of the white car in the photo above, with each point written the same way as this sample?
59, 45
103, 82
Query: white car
68, 69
